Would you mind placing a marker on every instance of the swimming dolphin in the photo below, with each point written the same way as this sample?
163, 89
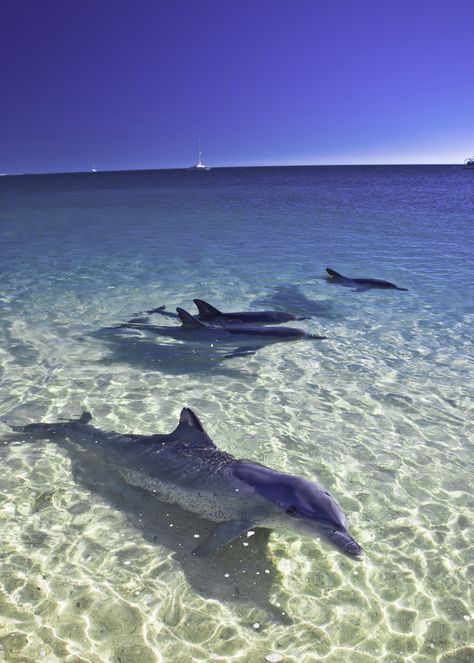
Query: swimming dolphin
364, 283
185, 468
192, 329
208, 313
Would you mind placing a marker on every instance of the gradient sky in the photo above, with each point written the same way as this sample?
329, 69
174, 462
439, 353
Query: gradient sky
125, 84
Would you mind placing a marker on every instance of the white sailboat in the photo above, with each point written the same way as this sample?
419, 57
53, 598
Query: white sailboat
200, 165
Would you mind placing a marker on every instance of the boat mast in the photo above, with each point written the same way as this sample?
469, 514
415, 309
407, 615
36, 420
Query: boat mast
199, 152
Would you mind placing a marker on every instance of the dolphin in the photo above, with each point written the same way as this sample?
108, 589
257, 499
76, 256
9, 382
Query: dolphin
364, 283
186, 469
209, 313
192, 329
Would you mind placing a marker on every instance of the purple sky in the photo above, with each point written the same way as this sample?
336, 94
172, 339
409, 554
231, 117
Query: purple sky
132, 83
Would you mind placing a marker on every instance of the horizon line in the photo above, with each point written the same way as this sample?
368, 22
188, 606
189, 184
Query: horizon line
190, 168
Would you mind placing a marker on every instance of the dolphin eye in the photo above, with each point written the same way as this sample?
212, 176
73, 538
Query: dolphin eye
292, 511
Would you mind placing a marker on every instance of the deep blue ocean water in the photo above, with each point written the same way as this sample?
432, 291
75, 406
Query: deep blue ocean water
381, 412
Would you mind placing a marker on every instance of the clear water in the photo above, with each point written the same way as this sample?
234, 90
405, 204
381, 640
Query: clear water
381, 413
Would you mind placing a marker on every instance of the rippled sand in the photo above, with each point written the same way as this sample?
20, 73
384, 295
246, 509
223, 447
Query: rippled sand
96, 572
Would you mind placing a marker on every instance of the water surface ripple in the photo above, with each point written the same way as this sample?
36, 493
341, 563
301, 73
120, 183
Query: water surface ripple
381, 413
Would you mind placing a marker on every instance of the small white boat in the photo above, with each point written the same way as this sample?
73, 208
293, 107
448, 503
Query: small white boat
469, 163
200, 165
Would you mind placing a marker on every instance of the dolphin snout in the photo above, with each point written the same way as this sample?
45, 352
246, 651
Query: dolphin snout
346, 543
354, 549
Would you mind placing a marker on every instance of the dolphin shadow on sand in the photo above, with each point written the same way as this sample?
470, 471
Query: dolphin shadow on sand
292, 298
240, 574
175, 358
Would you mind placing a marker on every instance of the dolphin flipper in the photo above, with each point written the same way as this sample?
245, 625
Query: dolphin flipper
243, 351
223, 533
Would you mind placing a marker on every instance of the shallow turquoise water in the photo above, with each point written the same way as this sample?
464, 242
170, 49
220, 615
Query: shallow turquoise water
380, 413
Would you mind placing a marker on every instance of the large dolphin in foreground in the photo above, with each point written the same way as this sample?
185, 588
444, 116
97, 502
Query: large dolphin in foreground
362, 283
185, 468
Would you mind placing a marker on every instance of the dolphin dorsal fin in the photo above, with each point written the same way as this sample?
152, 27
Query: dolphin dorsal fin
84, 418
332, 272
187, 319
206, 311
191, 431
188, 418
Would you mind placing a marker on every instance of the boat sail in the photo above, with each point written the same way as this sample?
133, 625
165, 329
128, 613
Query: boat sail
200, 165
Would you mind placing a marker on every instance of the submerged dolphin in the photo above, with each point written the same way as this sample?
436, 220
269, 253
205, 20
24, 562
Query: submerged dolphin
186, 468
364, 283
193, 329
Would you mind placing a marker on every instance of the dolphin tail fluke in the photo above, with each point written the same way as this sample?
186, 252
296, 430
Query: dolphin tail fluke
206, 311
158, 309
161, 310
334, 274
187, 319
224, 533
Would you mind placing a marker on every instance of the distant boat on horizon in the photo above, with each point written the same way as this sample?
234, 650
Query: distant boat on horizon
93, 169
469, 163
200, 165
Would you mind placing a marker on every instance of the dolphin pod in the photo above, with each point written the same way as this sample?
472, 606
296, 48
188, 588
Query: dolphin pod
192, 329
185, 468
363, 283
